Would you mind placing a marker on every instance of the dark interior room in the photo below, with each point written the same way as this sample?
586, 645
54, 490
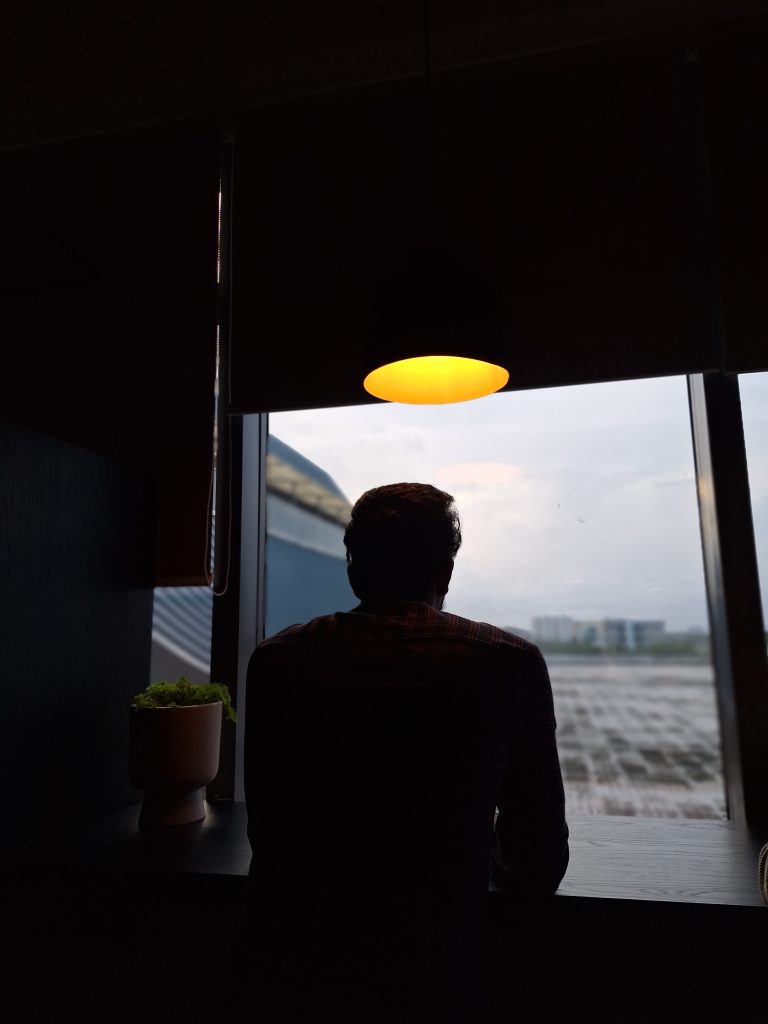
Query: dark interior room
199, 205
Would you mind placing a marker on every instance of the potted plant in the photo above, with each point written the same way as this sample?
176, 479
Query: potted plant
175, 738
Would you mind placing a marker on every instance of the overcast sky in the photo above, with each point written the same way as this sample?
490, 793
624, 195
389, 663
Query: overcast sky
578, 501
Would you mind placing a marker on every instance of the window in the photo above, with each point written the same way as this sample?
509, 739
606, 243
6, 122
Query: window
181, 633
581, 531
753, 388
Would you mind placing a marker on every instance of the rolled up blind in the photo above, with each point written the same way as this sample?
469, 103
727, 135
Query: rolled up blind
735, 94
576, 193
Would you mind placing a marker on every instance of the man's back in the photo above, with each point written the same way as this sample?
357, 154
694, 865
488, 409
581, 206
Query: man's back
379, 744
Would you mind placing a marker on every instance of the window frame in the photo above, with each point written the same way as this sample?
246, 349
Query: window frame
733, 591
730, 572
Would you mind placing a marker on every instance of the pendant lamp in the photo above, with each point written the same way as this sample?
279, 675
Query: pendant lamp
434, 333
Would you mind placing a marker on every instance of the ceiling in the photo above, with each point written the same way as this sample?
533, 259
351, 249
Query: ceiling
80, 68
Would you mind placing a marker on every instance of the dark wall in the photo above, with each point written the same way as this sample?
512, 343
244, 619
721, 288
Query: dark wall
76, 562
108, 292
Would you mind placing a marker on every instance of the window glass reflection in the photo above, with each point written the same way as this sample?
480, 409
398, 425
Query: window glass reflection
181, 634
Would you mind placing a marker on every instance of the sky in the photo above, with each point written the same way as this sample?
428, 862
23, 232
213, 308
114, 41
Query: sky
575, 501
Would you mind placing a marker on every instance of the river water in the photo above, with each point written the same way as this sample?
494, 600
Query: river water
638, 736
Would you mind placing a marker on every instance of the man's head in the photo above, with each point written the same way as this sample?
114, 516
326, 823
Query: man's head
401, 542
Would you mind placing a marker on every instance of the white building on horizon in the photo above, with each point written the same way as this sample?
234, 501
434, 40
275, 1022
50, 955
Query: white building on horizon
554, 629
614, 634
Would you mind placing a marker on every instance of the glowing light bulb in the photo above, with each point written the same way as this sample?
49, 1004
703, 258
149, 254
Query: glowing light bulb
435, 380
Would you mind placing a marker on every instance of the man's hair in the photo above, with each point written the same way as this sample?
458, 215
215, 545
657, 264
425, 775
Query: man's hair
398, 535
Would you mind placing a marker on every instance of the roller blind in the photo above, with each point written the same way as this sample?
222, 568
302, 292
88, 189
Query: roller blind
574, 192
735, 90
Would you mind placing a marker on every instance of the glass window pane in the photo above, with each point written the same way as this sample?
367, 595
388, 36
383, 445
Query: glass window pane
181, 634
753, 388
580, 526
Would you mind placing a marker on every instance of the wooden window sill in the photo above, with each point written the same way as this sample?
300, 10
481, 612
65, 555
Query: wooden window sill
611, 858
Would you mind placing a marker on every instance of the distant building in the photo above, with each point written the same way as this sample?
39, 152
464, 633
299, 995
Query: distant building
590, 633
526, 634
554, 629
606, 634
307, 514
647, 633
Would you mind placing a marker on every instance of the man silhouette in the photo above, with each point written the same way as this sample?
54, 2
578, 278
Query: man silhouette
398, 757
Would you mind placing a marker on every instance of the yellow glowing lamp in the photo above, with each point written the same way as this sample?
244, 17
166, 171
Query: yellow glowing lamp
435, 380
434, 334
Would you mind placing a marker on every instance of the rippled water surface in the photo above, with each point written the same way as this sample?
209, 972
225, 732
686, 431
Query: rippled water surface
638, 737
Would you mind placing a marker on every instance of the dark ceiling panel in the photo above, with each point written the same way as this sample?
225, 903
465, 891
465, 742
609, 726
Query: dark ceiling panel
79, 68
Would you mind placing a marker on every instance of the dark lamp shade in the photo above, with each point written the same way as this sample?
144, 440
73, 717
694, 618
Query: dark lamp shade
434, 334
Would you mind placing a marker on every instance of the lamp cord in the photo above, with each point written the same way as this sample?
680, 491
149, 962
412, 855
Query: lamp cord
216, 575
210, 565
427, 130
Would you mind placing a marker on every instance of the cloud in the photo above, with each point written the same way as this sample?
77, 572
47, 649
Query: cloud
603, 513
473, 475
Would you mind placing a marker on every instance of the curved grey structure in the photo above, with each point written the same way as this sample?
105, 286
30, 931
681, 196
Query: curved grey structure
306, 568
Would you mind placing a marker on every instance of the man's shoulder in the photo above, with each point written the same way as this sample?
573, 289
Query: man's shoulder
416, 618
484, 643
414, 645
483, 632
323, 631
321, 625
416, 631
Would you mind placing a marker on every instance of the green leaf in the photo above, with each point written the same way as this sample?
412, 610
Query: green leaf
182, 693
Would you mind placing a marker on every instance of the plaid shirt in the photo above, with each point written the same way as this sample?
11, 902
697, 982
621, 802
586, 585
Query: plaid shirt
409, 742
